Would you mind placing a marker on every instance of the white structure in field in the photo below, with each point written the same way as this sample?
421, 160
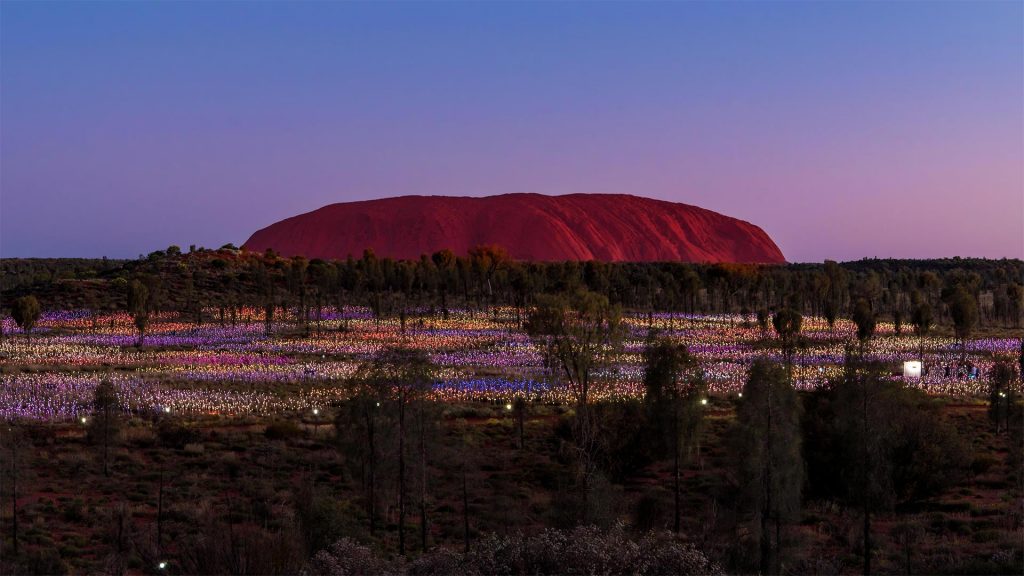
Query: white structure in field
912, 369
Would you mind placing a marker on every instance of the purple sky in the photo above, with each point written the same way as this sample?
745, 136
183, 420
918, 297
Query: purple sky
845, 130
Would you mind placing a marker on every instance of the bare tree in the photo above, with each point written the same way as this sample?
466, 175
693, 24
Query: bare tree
15, 444
405, 376
921, 318
139, 306
576, 335
864, 318
26, 313
103, 424
771, 467
787, 323
673, 402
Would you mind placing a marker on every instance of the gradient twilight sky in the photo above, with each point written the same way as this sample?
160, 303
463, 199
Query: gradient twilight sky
845, 130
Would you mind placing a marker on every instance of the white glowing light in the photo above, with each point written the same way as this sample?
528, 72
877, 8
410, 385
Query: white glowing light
912, 369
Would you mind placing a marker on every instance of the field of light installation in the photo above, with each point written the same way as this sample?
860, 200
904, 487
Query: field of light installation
236, 369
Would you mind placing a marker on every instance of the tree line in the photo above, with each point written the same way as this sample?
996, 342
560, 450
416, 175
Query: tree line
226, 285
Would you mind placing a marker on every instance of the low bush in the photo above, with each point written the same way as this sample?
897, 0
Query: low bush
282, 430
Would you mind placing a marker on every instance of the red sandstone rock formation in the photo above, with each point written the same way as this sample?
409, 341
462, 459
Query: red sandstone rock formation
607, 227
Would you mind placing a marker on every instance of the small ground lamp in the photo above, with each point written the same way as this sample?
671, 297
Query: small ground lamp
316, 421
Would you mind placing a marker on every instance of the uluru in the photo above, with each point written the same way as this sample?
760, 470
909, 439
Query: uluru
533, 227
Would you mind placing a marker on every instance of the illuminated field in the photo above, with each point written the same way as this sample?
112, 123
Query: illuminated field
236, 370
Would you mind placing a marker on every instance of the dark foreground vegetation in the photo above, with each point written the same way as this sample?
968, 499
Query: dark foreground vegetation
775, 482
861, 474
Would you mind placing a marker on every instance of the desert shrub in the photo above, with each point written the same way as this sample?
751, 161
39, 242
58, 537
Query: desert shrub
41, 561
603, 501
324, 520
929, 456
118, 527
582, 550
346, 558
230, 466
563, 427
586, 550
175, 435
74, 510
921, 456
545, 475
623, 439
282, 430
222, 548
1001, 562
954, 507
468, 411
566, 508
988, 535
958, 526
648, 513
440, 562
983, 463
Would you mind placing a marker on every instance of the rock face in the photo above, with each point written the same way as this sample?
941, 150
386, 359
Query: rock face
607, 227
